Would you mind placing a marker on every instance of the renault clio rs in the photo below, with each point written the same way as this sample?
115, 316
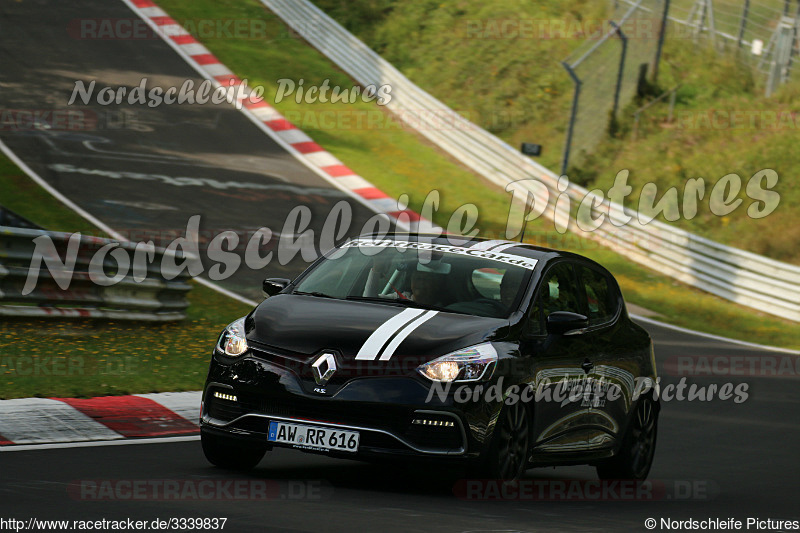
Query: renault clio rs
496, 354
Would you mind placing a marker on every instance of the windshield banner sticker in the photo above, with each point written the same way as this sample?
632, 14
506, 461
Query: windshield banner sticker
509, 259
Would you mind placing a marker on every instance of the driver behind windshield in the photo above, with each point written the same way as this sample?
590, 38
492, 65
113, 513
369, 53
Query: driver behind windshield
423, 288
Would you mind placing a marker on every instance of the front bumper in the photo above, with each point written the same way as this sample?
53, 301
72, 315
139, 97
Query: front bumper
382, 409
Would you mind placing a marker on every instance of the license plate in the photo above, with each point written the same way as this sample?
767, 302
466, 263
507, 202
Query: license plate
313, 437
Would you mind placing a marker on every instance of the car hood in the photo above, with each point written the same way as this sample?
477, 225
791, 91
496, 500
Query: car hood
307, 325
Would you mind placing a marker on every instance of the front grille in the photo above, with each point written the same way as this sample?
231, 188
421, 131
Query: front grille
393, 419
348, 413
369, 439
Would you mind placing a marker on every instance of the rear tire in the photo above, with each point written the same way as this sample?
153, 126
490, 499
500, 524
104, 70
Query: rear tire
635, 456
507, 456
227, 453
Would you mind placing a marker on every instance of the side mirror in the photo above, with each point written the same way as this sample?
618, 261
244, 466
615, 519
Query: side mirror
273, 286
566, 323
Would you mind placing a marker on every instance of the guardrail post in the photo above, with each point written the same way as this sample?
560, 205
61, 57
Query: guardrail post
781, 56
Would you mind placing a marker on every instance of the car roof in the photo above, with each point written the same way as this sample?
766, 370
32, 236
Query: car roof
542, 254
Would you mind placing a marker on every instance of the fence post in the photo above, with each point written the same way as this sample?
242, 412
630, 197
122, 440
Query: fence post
573, 114
796, 42
621, 70
661, 36
781, 57
701, 23
712, 23
743, 24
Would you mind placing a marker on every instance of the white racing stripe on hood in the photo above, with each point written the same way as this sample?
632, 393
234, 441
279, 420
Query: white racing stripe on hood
408, 330
372, 346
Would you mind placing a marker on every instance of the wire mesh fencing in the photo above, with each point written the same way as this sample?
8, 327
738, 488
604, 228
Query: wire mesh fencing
764, 33
608, 73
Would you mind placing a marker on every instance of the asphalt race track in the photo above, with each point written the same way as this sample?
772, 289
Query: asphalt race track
42, 60
715, 459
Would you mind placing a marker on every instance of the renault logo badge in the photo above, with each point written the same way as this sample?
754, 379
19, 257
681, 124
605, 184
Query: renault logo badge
324, 368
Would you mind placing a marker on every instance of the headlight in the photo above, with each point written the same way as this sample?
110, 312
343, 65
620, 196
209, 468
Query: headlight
470, 364
232, 342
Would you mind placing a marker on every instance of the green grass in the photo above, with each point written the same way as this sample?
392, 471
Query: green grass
23, 195
79, 358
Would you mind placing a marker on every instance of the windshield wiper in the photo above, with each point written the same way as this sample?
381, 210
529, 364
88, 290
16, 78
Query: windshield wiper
374, 299
402, 301
315, 293
412, 303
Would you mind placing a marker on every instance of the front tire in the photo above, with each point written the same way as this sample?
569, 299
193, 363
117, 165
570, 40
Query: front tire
226, 453
507, 456
635, 456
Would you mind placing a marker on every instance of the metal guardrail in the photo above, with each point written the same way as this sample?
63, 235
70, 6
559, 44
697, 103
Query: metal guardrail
153, 298
736, 275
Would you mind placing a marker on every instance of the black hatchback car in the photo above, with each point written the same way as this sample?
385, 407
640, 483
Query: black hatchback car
501, 355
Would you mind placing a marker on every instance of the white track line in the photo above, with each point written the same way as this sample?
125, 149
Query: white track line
125, 442
712, 336
101, 225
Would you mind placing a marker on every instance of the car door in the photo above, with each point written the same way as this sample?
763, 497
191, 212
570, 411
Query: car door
559, 419
611, 372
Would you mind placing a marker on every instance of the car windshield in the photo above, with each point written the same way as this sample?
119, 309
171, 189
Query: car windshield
483, 284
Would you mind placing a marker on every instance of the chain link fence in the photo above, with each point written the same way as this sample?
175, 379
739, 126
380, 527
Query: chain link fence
766, 33
608, 72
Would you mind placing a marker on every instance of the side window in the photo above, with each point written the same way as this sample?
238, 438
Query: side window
599, 296
557, 292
